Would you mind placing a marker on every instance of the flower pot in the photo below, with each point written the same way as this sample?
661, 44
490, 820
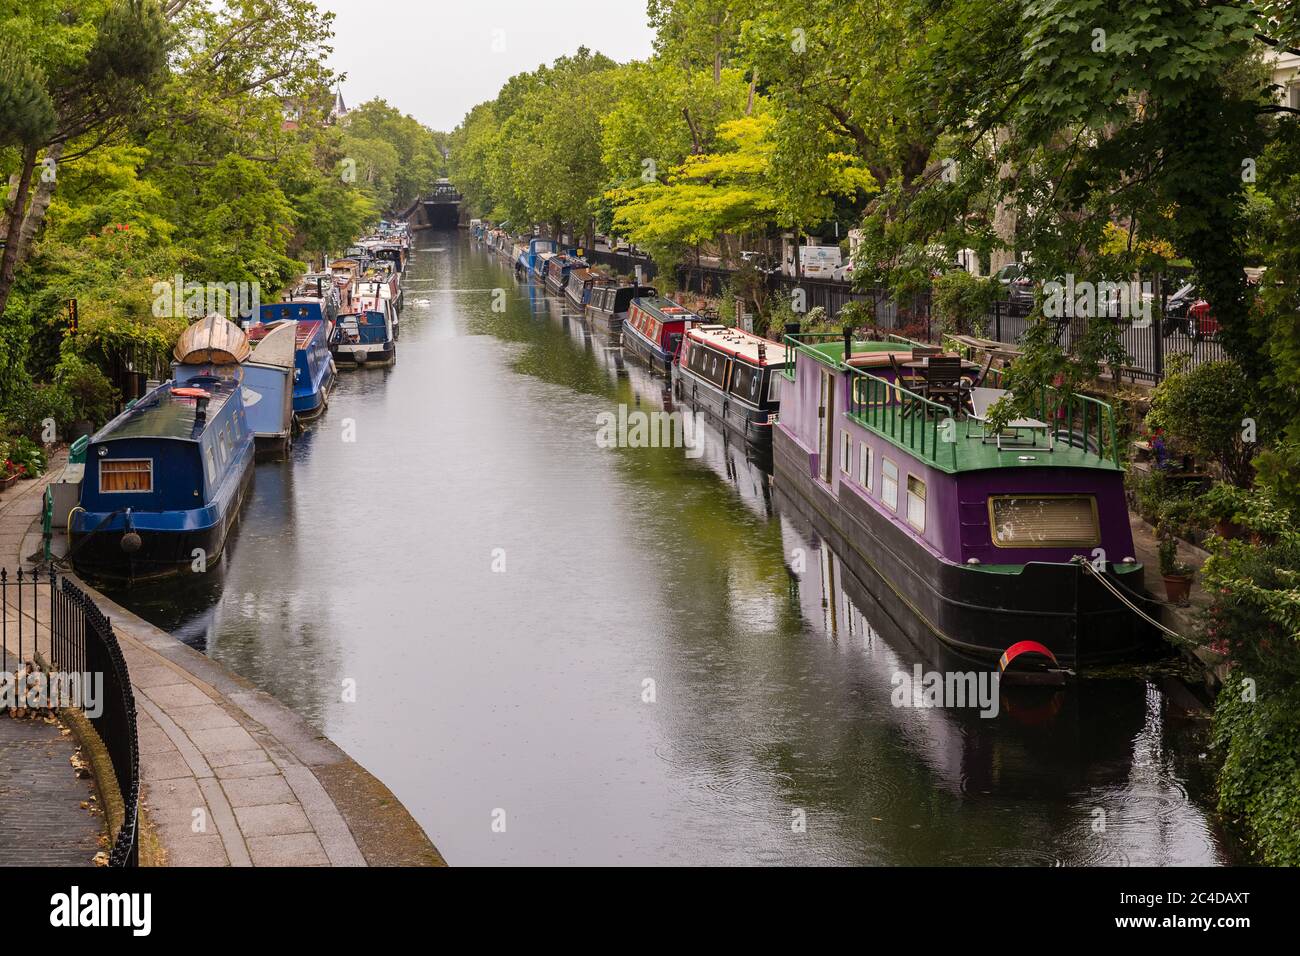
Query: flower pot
1227, 529
8, 480
1178, 587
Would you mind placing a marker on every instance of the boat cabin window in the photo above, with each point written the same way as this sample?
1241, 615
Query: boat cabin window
846, 453
126, 475
889, 483
1044, 521
212, 467
865, 465
916, 502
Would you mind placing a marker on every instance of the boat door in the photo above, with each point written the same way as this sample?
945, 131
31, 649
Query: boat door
826, 413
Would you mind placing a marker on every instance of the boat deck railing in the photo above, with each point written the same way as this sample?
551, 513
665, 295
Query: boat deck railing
929, 429
925, 428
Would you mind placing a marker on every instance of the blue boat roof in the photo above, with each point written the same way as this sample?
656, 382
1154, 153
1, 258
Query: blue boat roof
162, 414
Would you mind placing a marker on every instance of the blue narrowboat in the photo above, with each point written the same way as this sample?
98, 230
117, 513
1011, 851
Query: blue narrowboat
313, 366
367, 336
164, 483
527, 256
654, 330
216, 347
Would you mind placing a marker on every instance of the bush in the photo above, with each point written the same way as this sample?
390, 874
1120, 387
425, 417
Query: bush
960, 301
1205, 409
31, 409
24, 457
90, 395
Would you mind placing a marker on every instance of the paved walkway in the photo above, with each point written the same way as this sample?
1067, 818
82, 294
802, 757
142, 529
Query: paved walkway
232, 777
44, 815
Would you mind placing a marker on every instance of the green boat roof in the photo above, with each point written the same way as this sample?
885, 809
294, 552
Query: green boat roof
957, 443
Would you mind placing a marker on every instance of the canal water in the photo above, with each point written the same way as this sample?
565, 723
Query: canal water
558, 652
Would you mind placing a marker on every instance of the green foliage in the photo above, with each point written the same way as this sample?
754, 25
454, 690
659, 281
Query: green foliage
26, 110
1205, 409
91, 397
1259, 783
960, 300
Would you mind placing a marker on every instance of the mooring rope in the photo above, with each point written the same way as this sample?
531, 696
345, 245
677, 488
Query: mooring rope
1123, 598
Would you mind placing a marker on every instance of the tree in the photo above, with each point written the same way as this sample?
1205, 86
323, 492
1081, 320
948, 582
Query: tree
82, 74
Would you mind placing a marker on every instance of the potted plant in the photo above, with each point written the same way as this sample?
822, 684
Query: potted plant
1178, 576
1222, 504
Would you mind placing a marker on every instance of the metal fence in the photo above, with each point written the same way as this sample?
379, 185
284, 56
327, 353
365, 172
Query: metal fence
48, 615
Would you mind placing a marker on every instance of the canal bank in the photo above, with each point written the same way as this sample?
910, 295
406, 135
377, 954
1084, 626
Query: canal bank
231, 777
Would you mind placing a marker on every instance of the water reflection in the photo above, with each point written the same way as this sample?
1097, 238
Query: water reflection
507, 597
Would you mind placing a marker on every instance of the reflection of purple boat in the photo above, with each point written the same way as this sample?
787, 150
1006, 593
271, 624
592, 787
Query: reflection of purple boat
979, 534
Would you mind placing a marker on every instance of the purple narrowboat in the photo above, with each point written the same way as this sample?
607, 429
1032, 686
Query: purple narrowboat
996, 541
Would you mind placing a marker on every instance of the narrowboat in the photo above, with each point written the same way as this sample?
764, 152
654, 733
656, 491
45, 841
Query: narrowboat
366, 336
527, 253
383, 283
313, 367
164, 483
558, 270
608, 304
216, 347
653, 331
580, 285
734, 376
1014, 543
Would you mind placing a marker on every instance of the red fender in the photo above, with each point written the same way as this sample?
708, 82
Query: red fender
1024, 647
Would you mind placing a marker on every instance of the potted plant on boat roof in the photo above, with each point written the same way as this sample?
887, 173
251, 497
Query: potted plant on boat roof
1178, 576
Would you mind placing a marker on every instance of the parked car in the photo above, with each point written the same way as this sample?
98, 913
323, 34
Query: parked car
1203, 324
843, 273
1019, 287
1176, 308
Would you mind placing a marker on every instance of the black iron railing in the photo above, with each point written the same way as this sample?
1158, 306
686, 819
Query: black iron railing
47, 619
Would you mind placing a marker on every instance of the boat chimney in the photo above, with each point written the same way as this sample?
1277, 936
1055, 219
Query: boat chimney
848, 342
762, 354
792, 328
200, 411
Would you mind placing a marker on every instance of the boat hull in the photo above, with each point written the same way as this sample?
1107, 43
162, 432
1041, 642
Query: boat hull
648, 354
976, 612
366, 356
743, 420
168, 540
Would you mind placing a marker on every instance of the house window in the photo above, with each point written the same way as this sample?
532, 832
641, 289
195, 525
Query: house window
889, 483
916, 502
864, 465
126, 475
846, 453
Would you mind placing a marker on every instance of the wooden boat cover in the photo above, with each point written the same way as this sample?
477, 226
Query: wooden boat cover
213, 340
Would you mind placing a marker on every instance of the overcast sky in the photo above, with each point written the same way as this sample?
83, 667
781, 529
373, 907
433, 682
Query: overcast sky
435, 59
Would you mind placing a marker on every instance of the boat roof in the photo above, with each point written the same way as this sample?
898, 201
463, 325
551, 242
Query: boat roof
305, 329
665, 309
212, 340
739, 343
161, 414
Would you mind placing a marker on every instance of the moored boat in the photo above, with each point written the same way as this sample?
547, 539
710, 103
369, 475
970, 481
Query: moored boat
580, 284
164, 482
607, 304
366, 336
734, 376
558, 269
654, 330
214, 347
313, 367
992, 540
